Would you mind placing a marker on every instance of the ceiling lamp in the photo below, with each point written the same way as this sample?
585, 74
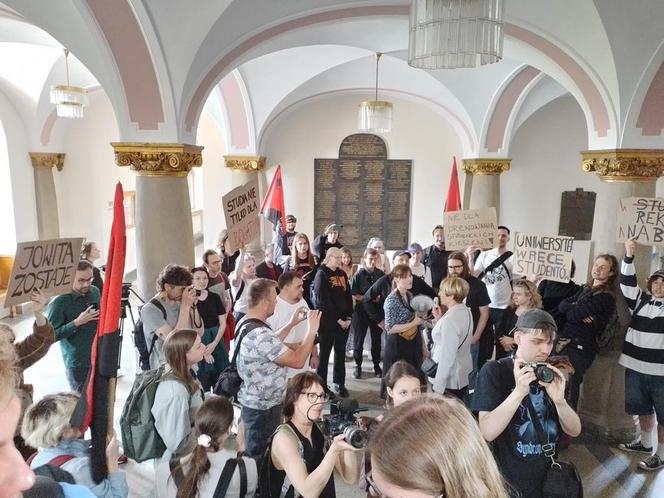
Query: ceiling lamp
69, 100
447, 34
375, 115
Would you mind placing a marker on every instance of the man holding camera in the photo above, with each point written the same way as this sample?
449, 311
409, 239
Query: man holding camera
520, 397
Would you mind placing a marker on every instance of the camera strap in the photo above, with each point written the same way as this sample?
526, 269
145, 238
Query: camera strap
548, 448
161, 308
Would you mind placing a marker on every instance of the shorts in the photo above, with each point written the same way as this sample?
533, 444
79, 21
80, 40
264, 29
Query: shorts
644, 394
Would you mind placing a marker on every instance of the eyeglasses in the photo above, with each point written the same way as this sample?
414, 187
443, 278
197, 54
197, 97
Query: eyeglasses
375, 492
314, 397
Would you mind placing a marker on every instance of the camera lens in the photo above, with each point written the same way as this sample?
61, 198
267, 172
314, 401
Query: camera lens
544, 374
356, 437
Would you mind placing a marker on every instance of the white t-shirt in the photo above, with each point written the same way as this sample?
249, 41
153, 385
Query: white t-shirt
281, 316
498, 280
241, 303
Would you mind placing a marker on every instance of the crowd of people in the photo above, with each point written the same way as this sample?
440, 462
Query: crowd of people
503, 355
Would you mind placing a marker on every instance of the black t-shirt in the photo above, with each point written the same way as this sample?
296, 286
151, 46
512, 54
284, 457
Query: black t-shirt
210, 309
477, 297
436, 260
518, 450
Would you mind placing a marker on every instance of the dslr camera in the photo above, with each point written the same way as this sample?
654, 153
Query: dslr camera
341, 420
543, 372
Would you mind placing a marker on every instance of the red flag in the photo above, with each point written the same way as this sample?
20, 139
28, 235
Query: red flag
273, 207
453, 201
99, 395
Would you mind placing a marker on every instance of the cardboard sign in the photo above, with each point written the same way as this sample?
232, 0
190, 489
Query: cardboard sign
49, 265
241, 206
473, 227
641, 218
549, 256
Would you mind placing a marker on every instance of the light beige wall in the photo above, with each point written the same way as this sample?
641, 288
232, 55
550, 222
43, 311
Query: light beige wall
316, 129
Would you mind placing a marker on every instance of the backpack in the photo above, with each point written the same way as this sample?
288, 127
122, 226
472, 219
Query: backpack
140, 438
229, 381
139, 338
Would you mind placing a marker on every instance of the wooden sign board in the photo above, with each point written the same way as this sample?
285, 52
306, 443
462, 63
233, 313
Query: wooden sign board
48, 265
241, 207
641, 218
472, 227
548, 256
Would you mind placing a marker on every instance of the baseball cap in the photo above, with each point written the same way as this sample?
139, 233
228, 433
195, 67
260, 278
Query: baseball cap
402, 253
290, 218
657, 274
533, 319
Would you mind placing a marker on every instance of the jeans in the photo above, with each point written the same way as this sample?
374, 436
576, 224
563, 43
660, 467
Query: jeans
332, 337
259, 425
77, 378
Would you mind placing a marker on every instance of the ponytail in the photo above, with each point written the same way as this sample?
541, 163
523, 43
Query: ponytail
196, 467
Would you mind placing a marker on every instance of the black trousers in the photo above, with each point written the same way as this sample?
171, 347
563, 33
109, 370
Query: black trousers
361, 322
332, 336
581, 364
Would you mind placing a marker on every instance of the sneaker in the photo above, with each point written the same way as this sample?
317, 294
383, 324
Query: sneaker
357, 373
378, 372
330, 394
635, 447
342, 392
349, 354
651, 463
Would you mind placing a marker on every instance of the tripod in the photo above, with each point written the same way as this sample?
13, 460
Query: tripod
124, 306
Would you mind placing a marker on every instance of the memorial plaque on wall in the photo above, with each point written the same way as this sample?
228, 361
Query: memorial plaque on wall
364, 191
577, 210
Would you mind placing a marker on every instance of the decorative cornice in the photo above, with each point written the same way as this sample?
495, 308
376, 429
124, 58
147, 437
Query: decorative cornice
158, 159
47, 159
248, 164
624, 165
483, 166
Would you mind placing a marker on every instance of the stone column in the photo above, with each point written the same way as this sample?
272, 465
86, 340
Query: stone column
483, 182
164, 231
48, 225
631, 173
244, 169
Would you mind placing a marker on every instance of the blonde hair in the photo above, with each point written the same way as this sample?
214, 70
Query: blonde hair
8, 366
432, 444
454, 287
529, 287
46, 421
332, 252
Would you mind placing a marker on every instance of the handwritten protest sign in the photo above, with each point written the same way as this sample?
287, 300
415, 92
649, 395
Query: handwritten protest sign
49, 265
641, 218
241, 211
473, 227
549, 256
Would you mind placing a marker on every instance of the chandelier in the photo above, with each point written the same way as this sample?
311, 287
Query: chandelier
69, 100
375, 115
448, 34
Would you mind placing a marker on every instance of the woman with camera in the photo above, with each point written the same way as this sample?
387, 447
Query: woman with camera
431, 447
296, 460
451, 341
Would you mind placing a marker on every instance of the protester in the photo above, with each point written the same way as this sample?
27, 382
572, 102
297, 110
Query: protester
416, 266
451, 340
346, 263
290, 301
524, 297
435, 257
297, 456
229, 258
329, 238
173, 307
212, 312
241, 278
15, 475
361, 282
553, 293
217, 280
508, 396
268, 268
179, 394
303, 262
587, 314
90, 252
383, 263
333, 299
74, 318
46, 426
287, 241
430, 447
643, 359
201, 470
262, 363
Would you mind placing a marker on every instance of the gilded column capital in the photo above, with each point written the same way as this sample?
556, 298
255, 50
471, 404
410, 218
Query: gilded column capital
47, 160
248, 164
486, 166
158, 159
624, 165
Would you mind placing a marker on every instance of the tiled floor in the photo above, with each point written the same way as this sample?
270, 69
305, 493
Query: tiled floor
606, 471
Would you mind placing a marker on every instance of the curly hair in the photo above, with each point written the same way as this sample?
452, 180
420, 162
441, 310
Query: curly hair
174, 275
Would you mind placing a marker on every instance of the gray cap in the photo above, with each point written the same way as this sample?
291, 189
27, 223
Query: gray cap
533, 319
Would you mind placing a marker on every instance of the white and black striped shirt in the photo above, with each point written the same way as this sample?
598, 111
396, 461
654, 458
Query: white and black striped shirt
643, 350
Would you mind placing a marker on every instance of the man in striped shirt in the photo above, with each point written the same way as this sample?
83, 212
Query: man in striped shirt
643, 359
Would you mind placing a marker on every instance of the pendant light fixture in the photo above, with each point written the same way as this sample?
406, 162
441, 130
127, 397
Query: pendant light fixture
375, 115
69, 100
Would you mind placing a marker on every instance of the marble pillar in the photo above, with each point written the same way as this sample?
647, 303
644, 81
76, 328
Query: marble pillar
164, 231
48, 225
631, 173
483, 182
